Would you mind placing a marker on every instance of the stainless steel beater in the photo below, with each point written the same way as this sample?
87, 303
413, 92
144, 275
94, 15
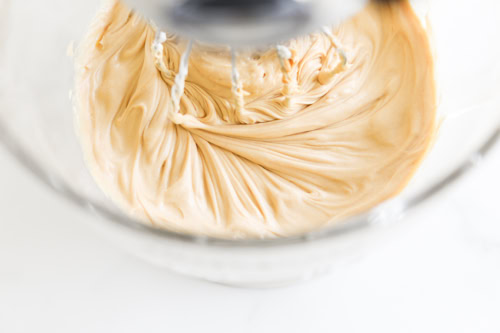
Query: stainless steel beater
245, 22
240, 23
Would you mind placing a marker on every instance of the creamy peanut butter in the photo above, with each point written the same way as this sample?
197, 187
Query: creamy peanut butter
306, 140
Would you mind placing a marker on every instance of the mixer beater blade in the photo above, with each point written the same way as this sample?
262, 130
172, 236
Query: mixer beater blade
284, 55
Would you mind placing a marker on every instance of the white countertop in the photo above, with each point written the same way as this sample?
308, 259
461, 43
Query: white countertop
58, 275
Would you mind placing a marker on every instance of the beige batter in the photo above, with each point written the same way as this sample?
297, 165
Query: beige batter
306, 143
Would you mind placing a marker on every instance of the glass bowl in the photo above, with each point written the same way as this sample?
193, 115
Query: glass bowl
37, 127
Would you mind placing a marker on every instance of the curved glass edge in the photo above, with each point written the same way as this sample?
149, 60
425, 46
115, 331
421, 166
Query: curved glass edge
347, 226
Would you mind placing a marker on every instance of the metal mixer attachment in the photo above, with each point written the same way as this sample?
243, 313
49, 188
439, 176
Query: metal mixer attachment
241, 23
245, 22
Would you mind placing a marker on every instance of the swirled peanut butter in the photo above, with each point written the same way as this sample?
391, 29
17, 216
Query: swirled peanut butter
327, 126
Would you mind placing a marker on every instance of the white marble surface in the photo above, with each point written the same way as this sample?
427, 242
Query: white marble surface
57, 275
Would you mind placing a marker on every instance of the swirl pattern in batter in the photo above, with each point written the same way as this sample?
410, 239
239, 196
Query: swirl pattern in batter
309, 141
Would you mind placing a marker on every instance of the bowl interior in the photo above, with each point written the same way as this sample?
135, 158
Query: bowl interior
37, 118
